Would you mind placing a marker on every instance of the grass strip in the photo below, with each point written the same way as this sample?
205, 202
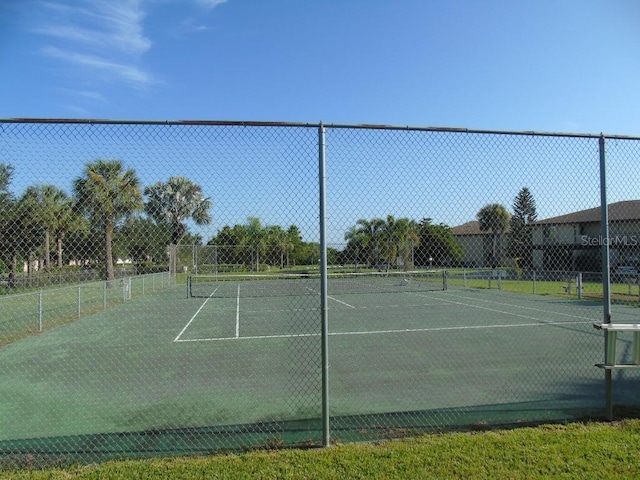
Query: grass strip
594, 450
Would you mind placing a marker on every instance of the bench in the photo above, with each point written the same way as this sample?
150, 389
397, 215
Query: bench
612, 330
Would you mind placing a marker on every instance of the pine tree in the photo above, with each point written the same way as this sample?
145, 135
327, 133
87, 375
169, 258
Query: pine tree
524, 215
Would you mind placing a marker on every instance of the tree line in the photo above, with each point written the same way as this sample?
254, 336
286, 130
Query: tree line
256, 245
393, 242
47, 225
109, 215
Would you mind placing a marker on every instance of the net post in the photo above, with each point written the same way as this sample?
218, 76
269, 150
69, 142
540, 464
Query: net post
326, 440
188, 286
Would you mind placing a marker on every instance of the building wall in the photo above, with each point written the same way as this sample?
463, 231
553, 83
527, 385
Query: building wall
578, 246
477, 249
472, 249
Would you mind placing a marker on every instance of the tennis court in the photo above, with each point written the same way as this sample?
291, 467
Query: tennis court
240, 355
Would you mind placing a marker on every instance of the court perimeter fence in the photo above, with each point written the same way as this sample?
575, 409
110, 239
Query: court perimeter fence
405, 280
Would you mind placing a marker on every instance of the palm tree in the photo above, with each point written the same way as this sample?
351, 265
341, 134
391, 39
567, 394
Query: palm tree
399, 235
407, 235
494, 218
67, 221
370, 232
50, 208
174, 202
10, 223
107, 194
355, 245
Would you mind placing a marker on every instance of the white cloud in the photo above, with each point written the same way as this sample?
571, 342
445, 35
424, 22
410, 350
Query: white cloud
109, 24
103, 40
210, 3
188, 26
93, 97
117, 71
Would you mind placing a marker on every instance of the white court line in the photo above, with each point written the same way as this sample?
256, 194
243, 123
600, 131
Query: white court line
340, 301
177, 339
378, 332
495, 310
408, 330
332, 298
493, 302
238, 314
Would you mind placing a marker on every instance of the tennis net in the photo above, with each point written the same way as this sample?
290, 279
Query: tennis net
293, 284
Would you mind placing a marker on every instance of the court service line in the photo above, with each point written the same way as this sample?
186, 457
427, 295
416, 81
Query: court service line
177, 339
378, 332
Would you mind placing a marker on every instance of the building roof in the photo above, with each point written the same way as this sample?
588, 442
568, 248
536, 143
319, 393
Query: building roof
619, 211
626, 210
469, 228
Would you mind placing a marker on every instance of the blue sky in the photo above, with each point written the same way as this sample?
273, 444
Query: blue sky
545, 65
551, 65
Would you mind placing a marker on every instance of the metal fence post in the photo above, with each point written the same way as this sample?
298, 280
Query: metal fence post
40, 311
579, 284
326, 440
606, 281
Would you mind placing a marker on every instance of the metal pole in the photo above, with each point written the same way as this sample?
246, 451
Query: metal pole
40, 311
606, 285
324, 287
579, 284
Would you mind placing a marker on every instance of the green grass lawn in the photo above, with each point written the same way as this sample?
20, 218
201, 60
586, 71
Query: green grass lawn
27, 313
595, 450
621, 292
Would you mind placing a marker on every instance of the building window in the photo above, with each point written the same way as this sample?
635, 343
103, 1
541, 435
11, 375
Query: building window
550, 233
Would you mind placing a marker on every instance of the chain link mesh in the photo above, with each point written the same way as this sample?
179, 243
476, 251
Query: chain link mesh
160, 283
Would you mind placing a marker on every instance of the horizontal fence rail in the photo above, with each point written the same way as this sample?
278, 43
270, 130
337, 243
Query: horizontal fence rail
189, 287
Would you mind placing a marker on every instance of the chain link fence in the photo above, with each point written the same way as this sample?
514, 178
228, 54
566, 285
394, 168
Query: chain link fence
192, 287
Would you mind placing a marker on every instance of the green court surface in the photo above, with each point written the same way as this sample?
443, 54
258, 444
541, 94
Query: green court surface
249, 368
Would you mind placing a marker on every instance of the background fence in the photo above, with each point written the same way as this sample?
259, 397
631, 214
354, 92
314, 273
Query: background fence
189, 287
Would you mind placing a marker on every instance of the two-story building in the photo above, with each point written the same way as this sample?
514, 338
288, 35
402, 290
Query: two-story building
573, 241
477, 246
567, 242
